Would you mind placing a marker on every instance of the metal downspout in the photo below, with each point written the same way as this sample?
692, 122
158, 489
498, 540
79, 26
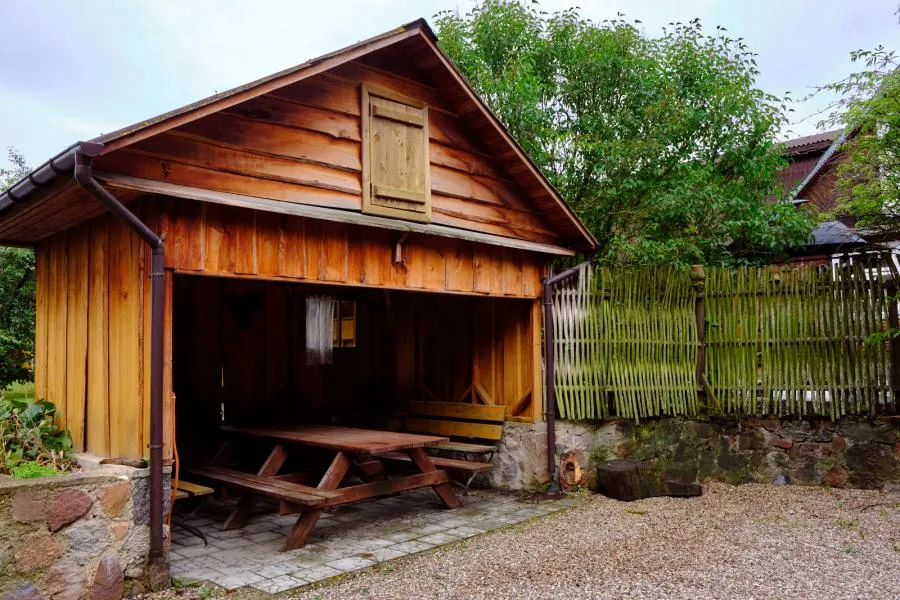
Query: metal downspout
550, 364
83, 175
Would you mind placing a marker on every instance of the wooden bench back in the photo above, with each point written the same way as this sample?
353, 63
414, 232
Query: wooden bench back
456, 419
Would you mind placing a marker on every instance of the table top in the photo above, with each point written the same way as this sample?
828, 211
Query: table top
342, 439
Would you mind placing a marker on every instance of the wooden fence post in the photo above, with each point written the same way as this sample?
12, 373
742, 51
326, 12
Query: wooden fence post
894, 324
698, 278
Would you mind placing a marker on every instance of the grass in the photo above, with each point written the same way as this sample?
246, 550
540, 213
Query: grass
31, 470
19, 391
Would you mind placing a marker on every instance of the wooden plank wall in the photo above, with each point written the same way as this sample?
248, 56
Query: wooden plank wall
470, 350
301, 144
220, 240
92, 346
93, 305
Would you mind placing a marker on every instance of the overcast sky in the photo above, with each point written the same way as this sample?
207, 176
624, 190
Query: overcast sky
70, 70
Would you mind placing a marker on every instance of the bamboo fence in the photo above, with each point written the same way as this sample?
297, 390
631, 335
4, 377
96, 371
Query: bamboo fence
783, 340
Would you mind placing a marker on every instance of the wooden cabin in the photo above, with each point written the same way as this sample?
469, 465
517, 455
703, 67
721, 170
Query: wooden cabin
373, 175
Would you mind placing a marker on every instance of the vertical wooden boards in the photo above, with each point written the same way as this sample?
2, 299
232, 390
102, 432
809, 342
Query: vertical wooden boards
168, 330
537, 362
396, 179
77, 333
125, 342
277, 340
57, 327
405, 344
42, 299
98, 340
223, 240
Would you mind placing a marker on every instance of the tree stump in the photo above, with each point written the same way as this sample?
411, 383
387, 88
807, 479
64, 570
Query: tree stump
630, 480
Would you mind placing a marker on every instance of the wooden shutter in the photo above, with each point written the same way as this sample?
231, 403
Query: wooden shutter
395, 176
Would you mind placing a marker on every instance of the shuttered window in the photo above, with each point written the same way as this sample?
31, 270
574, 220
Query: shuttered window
396, 180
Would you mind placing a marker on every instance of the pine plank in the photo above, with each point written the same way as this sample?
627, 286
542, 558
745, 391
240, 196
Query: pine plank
76, 334
97, 434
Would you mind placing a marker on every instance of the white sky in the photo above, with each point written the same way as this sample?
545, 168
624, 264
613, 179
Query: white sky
72, 69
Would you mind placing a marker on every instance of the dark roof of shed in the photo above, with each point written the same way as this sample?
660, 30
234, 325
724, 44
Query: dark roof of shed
811, 143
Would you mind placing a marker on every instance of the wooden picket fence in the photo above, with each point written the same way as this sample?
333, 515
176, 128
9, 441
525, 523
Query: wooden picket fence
784, 340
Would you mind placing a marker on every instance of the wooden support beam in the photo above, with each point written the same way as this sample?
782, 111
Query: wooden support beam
482, 394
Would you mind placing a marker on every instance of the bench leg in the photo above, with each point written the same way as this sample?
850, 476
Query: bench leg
331, 480
241, 514
423, 461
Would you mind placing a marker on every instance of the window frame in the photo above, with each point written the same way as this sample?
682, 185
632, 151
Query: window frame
337, 324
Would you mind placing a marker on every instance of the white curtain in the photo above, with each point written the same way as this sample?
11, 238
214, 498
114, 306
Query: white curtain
319, 329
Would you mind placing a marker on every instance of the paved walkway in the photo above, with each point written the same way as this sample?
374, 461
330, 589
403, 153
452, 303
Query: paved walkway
346, 539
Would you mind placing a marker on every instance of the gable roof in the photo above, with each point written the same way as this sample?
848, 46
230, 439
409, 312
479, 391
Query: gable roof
796, 195
810, 143
458, 92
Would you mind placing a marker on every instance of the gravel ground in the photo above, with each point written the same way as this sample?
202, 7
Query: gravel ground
750, 541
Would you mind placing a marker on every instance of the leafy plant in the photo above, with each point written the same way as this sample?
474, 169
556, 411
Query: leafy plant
664, 146
28, 434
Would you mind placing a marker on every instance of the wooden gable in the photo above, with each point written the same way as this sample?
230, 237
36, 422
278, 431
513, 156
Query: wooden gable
306, 144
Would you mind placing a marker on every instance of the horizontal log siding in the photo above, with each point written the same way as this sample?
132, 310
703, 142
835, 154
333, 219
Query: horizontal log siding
302, 144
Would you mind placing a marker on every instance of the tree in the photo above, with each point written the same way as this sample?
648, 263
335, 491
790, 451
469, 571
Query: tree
868, 177
663, 146
17, 274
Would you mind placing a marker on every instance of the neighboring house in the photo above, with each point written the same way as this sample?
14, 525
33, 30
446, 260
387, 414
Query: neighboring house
810, 183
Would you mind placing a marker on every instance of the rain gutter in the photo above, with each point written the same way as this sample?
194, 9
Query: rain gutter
550, 363
77, 160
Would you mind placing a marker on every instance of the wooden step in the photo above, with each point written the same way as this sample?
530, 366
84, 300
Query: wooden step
463, 447
450, 464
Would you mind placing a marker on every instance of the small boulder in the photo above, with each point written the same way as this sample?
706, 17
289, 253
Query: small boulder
68, 507
113, 498
835, 477
37, 551
29, 505
109, 580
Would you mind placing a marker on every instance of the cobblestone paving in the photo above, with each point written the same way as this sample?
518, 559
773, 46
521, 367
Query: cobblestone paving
345, 539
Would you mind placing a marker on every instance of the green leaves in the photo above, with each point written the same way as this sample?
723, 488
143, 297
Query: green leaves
868, 184
663, 146
28, 433
17, 272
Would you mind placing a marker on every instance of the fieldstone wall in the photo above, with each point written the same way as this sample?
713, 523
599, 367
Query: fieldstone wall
82, 535
852, 452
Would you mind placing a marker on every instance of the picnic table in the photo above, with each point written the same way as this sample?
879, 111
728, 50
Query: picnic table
363, 451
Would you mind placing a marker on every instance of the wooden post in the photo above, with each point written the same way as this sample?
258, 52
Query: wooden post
698, 277
894, 324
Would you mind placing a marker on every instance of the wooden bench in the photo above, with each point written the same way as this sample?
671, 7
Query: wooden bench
183, 491
473, 429
280, 489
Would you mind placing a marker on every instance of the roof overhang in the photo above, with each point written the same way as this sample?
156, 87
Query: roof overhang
150, 186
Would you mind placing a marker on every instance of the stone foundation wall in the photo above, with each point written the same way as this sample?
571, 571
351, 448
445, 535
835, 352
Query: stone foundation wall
853, 452
82, 535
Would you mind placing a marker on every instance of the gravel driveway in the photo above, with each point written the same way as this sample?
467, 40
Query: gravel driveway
751, 541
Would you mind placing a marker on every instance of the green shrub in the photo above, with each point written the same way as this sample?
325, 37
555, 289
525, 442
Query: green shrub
28, 434
30, 469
